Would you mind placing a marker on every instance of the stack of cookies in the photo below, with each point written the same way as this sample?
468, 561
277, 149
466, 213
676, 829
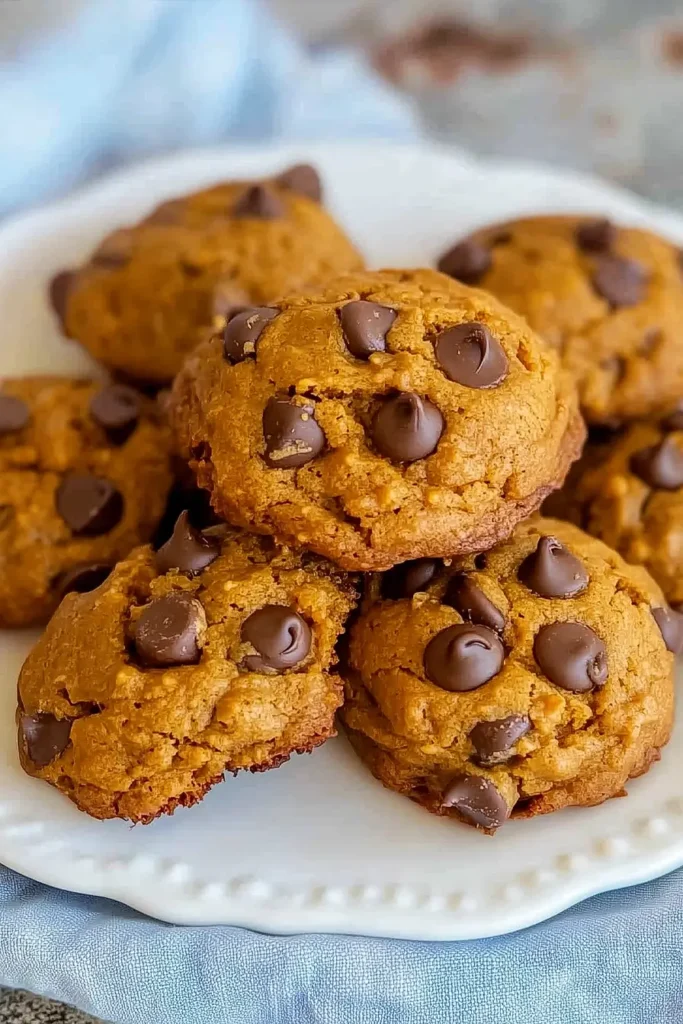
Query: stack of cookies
372, 448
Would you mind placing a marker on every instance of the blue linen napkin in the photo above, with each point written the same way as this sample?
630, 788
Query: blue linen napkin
615, 959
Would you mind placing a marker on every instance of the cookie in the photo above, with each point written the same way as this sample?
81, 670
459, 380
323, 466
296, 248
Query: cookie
513, 683
149, 292
609, 298
84, 473
391, 415
629, 493
212, 654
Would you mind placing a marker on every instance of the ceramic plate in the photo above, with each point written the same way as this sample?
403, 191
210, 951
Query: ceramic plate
318, 845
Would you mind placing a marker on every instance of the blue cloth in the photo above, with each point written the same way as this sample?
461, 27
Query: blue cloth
615, 959
127, 78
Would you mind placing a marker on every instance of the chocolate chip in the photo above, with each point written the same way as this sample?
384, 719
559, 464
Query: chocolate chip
304, 179
463, 657
467, 262
674, 421
259, 202
82, 578
168, 631
463, 594
619, 281
59, 289
572, 656
243, 331
116, 409
553, 571
493, 741
279, 635
597, 235
14, 414
291, 433
409, 578
470, 355
89, 505
477, 800
670, 623
660, 466
406, 427
365, 326
187, 550
44, 737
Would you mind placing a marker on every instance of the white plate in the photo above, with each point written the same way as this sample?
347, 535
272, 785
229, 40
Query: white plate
318, 845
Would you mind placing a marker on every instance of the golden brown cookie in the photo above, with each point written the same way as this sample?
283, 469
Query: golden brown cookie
393, 414
211, 655
629, 493
516, 682
609, 298
84, 474
149, 292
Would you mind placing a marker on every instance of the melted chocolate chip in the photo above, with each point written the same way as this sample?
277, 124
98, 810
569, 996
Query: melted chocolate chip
82, 578
674, 421
471, 356
116, 409
303, 179
467, 262
406, 427
477, 800
168, 631
463, 657
365, 326
243, 331
409, 578
596, 235
14, 414
553, 571
619, 281
187, 550
660, 466
572, 656
89, 505
463, 594
279, 635
670, 623
291, 433
493, 742
44, 737
58, 290
259, 202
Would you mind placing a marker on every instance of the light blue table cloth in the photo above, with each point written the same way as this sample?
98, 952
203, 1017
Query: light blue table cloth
129, 77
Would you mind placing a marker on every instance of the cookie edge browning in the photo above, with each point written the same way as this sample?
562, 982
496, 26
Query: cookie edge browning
189, 799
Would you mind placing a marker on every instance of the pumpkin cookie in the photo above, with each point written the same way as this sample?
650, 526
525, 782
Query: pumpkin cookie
610, 299
513, 683
390, 415
629, 493
149, 292
211, 654
84, 473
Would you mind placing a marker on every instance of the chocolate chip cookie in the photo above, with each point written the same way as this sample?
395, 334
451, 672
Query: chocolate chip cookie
517, 682
84, 474
390, 415
148, 293
629, 493
609, 298
212, 654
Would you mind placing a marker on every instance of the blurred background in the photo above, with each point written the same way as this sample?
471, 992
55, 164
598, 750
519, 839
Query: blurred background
595, 85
